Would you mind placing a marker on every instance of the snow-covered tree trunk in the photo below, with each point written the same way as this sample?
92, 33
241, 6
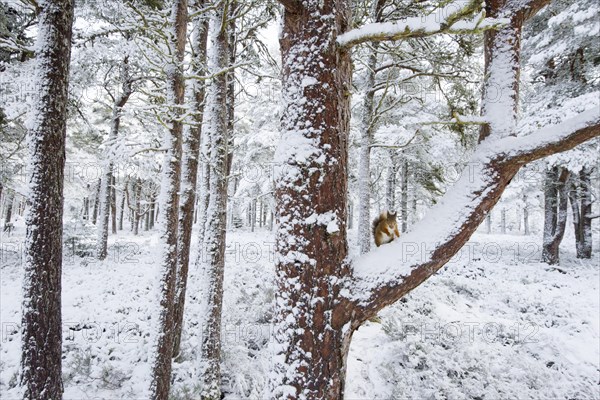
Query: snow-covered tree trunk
580, 197
503, 221
311, 340
390, 191
364, 166
555, 212
107, 177
137, 212
212, 256
86, 207
113, 205
41, 333
525, 216
584, 250
153, 210
10, 199
122, 206
204, 184
404, 197
367, 129
191, 153
96, 203
414, 198
163, 352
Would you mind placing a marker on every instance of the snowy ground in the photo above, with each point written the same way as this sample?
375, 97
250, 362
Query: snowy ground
494, 323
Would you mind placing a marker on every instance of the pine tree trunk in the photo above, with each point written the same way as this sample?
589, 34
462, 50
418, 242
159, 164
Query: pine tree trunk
107, 178
391, 183
146, 221
191, 143
152, 209
204, 195
113, 206
161, 365
368, 123
122, 207
404, 197
96, 203
584, 250
41, 332
526, 220
212, 262
86, 208
10, 200
137, 213
253, 213
413, 214
364, 168
555, 213
580, 197
311, 338
488, 223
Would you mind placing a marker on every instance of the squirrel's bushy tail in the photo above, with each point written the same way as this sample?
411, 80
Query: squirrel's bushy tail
376, 222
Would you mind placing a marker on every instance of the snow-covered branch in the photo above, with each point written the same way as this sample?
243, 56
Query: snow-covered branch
552, 139
384, 275
416, 27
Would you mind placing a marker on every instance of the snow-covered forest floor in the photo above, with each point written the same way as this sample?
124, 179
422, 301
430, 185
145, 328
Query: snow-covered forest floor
494, 323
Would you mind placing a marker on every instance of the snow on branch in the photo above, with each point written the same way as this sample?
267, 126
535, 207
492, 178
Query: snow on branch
551, 139
454, 23
384, 275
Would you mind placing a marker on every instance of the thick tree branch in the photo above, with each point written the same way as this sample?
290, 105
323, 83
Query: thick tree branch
383, 276
552, 139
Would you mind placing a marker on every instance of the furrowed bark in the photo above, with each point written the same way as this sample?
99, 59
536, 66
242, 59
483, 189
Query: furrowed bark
191, 139
311, 342
41, 334
161, 365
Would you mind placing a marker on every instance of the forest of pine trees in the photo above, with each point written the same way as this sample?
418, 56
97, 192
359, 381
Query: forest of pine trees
187, 170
